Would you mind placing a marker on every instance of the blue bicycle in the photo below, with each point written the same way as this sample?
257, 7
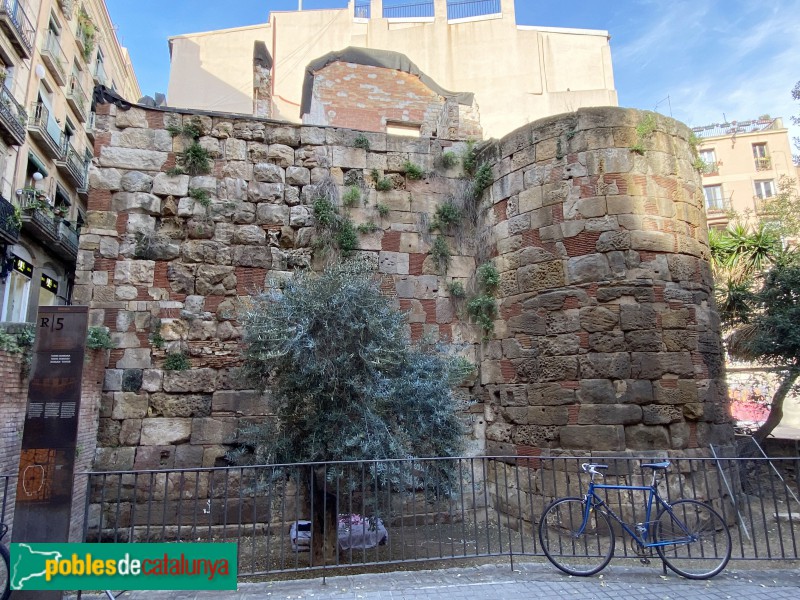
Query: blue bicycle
690, 537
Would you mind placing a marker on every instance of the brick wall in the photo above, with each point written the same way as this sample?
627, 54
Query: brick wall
94, 368
367, 98
13, 402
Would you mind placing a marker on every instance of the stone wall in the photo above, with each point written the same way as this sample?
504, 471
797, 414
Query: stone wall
607, 338
167, 274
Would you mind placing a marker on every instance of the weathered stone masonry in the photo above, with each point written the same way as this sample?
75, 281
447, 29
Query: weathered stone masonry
607, 338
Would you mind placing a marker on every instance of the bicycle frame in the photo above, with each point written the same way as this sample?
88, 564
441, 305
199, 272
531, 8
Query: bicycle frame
594, 502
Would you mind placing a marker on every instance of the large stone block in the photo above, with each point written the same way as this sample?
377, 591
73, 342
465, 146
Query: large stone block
647, 437
587, 269
541, 276
191, 405
609, 414
616, 365
194, 380
214, 430
593, 437
597, 318
165, 432
132, 158
170, 185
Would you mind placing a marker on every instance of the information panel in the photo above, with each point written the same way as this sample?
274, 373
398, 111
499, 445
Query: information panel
44, 486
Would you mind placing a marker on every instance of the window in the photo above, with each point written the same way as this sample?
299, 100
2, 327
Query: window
18, 286
714, 199
764, 188
48, 294
761, 157
709, 158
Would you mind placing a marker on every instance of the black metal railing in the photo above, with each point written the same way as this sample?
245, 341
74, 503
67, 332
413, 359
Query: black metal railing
74, 163
77, 97
68, 238
472, 8
12, 115
10, 222
408, 11
361, 9
15, 13
386, 512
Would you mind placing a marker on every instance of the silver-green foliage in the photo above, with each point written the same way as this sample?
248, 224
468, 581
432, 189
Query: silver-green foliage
346, 383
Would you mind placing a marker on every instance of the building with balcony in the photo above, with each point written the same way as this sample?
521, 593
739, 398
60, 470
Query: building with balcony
743, 164
517, 73
52, 54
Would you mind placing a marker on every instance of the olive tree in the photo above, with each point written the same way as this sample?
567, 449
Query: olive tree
346, 385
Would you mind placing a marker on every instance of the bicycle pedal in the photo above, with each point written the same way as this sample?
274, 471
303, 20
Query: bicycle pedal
645, 561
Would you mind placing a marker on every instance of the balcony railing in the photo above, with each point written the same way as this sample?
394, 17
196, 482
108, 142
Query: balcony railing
67, 241
77, 98
718, 205
763, 163
17, 26
408, 11
100, 77
9, 226
472, 8
67, 7
12, 118
41, 220
90, 124
710, 168
53, 57
361, 10
71, 165
44, 129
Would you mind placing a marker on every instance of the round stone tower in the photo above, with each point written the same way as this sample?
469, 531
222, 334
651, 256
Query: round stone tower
608, 338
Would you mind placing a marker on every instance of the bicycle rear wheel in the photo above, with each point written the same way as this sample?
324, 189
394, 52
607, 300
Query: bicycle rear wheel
5, 573
710, 551
574, 551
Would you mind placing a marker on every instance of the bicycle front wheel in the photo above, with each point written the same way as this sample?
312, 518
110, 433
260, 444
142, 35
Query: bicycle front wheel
5, 573
573, 547
699, 540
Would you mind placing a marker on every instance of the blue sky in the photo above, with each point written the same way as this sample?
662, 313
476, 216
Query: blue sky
694, 59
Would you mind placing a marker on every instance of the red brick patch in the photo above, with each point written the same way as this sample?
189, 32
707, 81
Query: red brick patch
99, 200
573, 412
534, 463
415, 262
570, 385
122, 223
248, 279
583, 243
693, 435
446, 332
583, 336
110, 318
508, 371
500, 211
669, 383
417, 329
429, 306
391, 241
558, 213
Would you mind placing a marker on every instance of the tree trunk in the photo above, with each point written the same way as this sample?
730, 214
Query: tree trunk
324, 519
776, 406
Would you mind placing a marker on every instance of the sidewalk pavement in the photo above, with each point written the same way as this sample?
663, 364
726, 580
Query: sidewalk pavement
498, 582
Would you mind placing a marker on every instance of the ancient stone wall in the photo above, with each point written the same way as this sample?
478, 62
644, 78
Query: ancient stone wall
167, 273
606, 339
609, 338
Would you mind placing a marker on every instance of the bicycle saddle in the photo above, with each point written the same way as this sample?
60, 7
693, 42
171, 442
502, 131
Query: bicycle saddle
658, 465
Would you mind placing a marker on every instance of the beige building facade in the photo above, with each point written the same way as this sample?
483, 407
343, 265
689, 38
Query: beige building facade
744, 164
53, 54
517, 73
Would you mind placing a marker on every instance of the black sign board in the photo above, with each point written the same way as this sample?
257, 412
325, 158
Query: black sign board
44, 488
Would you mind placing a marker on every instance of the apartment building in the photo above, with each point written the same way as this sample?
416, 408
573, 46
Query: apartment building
744, 164
517, 73
52, 54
